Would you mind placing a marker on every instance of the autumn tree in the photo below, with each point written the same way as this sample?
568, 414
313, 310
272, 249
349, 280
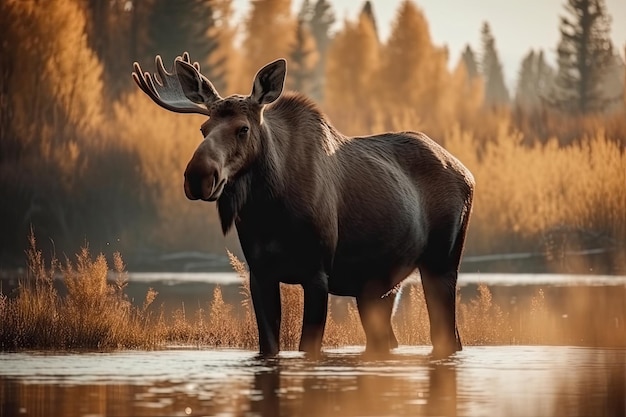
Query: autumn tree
467, 91
268, 34
496, 93
368, 12
51, 87
585, 56
414, 75
351, 72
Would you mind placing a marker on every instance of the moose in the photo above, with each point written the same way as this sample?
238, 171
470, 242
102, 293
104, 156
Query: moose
350, 216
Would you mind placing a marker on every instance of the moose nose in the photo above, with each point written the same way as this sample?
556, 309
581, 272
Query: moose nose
201, 179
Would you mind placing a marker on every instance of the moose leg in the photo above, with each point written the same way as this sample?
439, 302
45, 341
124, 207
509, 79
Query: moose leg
375, 314
315, 310
440, 294
266, 301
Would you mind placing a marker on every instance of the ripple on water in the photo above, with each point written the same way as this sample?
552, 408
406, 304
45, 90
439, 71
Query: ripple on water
505, 380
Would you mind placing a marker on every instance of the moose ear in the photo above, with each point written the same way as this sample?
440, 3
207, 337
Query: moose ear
269, 82
196, 86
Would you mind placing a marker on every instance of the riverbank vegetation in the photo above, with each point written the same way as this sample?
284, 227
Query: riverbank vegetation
96, 314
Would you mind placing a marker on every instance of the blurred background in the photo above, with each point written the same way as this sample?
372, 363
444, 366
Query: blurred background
529, 95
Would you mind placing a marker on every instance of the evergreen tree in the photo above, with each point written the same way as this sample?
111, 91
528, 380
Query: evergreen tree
320, 18
222, 67
109, 25
302, 61
184, 25
535, 81
585, 56
496, 93
469, 59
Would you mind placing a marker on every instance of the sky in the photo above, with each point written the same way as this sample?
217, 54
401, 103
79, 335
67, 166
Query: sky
517, 25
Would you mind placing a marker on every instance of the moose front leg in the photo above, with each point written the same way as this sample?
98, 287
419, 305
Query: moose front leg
315, 309
266, 301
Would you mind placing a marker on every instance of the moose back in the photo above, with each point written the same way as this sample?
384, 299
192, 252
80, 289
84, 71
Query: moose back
350, 216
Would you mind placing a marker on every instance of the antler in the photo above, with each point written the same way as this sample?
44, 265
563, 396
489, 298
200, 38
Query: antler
164, 87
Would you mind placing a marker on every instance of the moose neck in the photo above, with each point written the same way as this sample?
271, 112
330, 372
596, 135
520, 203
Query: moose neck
297, 153
263, 178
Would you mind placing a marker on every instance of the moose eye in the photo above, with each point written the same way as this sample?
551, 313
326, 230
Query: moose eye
243, 131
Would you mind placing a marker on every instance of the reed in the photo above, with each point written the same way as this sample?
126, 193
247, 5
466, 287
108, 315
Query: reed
96, 313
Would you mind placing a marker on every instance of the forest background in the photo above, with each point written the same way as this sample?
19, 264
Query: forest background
87, 157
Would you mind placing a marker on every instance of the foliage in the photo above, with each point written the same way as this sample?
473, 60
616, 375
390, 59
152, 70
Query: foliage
585, 58
95, 313
85, 155
496, 93
534, 83
356, 46
303, 58
268, 30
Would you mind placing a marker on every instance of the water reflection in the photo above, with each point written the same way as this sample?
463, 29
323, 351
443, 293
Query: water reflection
511, 380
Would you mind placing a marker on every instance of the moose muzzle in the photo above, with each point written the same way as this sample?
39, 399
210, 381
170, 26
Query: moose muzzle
203, 180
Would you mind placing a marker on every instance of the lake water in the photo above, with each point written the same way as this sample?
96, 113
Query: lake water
584, 380
479, 381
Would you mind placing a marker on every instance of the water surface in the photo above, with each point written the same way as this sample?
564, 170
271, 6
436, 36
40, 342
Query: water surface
480, 381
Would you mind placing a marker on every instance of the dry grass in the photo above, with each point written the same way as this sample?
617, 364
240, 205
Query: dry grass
96, 314
545, 197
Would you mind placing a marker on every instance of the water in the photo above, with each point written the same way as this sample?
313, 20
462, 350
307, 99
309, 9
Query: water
504, 279
479, 381
589, 380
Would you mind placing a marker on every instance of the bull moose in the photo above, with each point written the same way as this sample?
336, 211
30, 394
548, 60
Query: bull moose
350, 216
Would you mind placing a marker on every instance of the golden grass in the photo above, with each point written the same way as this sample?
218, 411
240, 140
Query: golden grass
544, 197
96, 314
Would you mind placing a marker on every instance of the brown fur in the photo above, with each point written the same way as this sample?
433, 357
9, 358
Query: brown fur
343, 215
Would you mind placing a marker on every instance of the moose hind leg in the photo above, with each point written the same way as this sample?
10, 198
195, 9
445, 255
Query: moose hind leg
440, 294
375, 313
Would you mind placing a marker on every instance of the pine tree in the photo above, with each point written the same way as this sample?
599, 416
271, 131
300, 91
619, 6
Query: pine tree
469, 59
585, 55
303, 59
320, 18
109, 33
496, 93
222, 66
535, 81
185, 25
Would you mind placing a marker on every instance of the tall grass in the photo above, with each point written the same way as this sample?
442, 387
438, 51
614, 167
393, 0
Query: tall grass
96, 313
545, 197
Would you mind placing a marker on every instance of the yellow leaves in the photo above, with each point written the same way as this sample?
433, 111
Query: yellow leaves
351, 89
